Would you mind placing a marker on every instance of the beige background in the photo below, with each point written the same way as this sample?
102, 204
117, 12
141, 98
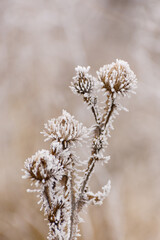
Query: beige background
41, 42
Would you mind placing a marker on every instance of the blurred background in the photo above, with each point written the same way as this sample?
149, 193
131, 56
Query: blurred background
41, 42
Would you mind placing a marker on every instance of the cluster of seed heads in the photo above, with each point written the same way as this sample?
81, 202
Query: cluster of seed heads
60, 177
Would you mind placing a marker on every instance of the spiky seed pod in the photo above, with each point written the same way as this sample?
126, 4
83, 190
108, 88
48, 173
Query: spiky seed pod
117, 78
65, 130
42, 166
83, 82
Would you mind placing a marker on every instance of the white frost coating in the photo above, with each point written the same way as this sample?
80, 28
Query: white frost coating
83, 83
65, 129
42, 166
98, 198
117, 78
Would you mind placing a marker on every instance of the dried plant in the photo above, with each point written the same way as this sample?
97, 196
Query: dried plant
60, 177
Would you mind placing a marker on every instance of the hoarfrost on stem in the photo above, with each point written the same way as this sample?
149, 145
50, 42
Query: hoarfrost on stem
59, 176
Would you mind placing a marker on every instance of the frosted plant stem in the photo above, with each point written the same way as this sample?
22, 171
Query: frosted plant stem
93, 160
96, 114
72, 208
87, 175
92, 102
95, 110
113, 106
46, 194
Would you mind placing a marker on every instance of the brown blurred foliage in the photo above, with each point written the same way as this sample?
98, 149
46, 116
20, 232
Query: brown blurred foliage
40, 44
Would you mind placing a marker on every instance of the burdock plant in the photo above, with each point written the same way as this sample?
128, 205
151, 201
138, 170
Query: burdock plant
61, 178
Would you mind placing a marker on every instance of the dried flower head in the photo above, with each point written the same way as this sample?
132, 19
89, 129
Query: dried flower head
83, 83
42, 166
64, 129
117, 78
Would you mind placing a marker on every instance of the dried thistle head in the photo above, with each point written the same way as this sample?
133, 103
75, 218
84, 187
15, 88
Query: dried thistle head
65, 130
117, 78
83, 83
42, 166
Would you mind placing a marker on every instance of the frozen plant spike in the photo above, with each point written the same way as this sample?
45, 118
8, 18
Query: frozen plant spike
61, 178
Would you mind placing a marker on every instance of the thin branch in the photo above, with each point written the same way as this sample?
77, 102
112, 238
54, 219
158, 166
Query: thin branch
47, 196
72, 207
113, 106
93, 160
92, 101
87, 174
95, 113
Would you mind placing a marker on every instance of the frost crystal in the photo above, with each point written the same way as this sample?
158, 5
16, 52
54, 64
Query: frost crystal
60, 177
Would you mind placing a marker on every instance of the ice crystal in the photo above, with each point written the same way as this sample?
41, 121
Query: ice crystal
60, 178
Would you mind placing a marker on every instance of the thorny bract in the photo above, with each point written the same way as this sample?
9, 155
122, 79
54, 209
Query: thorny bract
62, 188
